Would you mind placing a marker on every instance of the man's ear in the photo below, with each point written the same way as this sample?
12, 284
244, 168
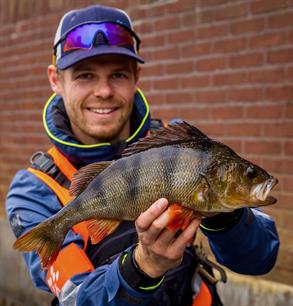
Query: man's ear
137, 74
54, 79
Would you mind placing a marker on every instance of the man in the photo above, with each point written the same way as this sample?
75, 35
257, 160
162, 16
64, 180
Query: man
95, 112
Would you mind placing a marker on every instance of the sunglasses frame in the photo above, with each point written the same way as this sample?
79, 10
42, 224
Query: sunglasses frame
64, 36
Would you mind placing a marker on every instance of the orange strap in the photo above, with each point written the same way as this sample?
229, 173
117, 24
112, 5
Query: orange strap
203, 297
64, 197
62, 163
71, 260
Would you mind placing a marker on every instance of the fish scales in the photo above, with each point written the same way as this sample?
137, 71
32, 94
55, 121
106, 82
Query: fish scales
130, 187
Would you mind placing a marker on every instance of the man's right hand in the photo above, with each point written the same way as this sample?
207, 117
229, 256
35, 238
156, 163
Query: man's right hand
160, 249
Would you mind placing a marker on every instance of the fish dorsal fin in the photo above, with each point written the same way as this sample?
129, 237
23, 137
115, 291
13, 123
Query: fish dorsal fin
85, 175
174, 134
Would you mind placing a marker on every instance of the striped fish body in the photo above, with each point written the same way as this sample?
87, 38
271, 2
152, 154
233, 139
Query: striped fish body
130, 185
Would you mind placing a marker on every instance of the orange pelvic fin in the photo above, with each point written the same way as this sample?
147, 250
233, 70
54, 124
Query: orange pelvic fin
179, 217
39, 240
99, 229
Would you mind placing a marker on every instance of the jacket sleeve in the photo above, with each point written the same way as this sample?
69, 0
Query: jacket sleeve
29, 202
250, 246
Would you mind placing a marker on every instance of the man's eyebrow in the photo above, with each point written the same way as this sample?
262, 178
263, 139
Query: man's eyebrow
78, 68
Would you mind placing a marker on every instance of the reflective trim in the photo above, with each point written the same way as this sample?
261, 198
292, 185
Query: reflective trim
153, 287
98, 144
68, 294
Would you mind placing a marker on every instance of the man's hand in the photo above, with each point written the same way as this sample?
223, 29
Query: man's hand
160, 249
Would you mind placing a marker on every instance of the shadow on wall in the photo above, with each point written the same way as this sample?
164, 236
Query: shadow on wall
16, 287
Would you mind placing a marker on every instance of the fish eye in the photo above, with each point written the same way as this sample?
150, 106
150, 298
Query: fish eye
251, 172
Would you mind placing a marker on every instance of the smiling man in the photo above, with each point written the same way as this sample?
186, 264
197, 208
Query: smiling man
98, 96
96, 111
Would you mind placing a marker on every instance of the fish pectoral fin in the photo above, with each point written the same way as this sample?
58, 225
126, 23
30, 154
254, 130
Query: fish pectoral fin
201, 192
99, 229
179, 217
85, 175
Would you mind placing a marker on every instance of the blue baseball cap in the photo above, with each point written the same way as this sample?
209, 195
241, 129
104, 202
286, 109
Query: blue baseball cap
95, 14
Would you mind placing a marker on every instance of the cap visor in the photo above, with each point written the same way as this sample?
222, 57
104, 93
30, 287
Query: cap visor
78, 55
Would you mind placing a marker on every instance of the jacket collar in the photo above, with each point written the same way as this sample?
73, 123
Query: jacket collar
57, 127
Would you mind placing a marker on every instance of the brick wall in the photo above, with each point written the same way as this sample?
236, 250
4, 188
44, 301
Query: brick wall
225, 66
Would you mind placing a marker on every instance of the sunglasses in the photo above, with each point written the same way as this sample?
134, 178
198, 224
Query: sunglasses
84, 37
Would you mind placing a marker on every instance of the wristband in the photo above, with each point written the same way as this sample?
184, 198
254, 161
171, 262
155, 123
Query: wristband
134, 276
222, 221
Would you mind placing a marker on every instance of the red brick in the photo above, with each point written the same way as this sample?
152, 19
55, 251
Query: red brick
279, 93
267, 76
215, 96
167, 83
195, 81
194, 113
166, 114
179, 37
166, 23
289, 110
246, 60
178, 67
211, 31
174, 98
288, 147
283, 129
262, 6
267, 40
234, 78
264, 111
262, 147
246, 94
280, 56
211, 64
227, 113
240, 129
285, 200
166, 53
278, 165
287, 182
224, 12
229, 45
195, 50
248, 26
281, 20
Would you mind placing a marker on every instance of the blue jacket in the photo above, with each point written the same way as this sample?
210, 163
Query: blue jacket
249, 247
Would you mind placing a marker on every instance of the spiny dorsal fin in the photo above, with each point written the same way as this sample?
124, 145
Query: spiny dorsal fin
85, 175
170, 135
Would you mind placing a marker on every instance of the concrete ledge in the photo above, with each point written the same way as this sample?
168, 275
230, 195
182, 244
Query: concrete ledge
16, 287
252, 291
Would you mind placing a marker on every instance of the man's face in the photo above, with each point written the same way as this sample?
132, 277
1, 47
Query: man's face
98, 95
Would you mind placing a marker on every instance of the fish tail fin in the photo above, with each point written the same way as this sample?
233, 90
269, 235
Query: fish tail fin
179, 217
41, 240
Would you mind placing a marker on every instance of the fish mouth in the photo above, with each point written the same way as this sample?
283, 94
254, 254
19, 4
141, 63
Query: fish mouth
260, 192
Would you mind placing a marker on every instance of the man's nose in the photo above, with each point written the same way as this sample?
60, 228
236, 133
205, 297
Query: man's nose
103, 89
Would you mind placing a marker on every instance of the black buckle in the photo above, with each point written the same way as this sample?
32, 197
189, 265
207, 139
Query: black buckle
205, 265
45, 163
